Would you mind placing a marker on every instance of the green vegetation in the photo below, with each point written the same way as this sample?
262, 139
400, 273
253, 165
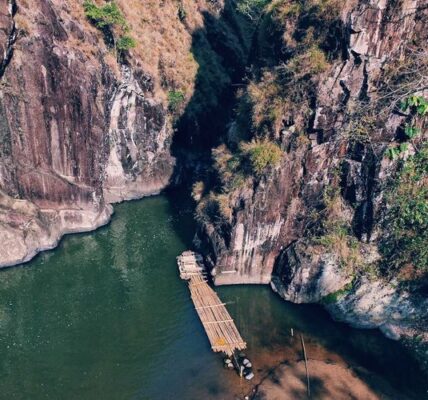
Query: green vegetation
214, 208
252, 159
411, 131
229, 168
261, 154
232, 170
394, 151
311, 37
107, 15
311, 62
418, 107
175, 100
339, 239
335, 233
110, 19
416, 104
125, 43
335, 296
407, 219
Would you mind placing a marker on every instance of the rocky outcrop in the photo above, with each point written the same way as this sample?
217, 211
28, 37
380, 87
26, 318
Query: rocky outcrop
83, 125
76, 134
274, 220
311, 276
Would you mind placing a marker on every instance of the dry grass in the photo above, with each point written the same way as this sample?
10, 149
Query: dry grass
164, 43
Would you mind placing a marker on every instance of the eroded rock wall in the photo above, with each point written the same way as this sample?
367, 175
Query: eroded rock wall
270, 229
82, 126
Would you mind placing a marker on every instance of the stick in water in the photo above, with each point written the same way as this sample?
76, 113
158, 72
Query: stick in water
306, 366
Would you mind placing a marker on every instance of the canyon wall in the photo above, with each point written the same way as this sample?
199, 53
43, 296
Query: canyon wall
83, 126
313, 224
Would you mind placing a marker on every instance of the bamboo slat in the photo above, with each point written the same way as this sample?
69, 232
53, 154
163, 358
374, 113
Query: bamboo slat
219, 325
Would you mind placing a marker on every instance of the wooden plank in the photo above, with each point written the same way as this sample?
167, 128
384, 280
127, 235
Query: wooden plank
219, 325
218, 322
211, 306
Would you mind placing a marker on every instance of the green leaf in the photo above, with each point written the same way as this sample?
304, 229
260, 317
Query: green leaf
411, 131
403, 105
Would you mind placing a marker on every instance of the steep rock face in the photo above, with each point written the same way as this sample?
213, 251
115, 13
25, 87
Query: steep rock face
75, 136
270, 231
82, 126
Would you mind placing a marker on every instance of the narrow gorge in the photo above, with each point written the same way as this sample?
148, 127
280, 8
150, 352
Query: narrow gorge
299, 127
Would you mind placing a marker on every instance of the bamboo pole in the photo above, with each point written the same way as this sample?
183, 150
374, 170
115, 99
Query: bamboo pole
306, 367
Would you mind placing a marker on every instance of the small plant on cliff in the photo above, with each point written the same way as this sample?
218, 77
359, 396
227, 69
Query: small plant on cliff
110, 20
214, 209
407, 217
395, 151
175, 100
125, 43
107, 15
416, 104
261, 154
313, 61
335, 296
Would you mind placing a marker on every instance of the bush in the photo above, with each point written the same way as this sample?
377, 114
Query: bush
109, 18
228, 167
175, 100
214, 209
338, 239
261, 155
124, 43
104, 16
407, 217
313, 61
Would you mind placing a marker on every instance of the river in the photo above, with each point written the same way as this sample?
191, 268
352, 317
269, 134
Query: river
105, 316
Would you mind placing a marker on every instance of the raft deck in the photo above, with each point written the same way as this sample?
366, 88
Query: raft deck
219, 325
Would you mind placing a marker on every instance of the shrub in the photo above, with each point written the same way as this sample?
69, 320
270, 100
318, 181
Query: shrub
175, 100
229, 168
411, 131
261, 155
338, 239
214, 208
267, 101
104, 16
109, 18
407, 216
124, 43
416, 104
311, 62
395, 151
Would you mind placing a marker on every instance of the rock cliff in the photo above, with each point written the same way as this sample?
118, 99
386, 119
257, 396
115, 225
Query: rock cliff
82, 125
316, 224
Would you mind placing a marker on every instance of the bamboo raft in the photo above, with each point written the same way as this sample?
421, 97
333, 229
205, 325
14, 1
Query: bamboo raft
219, 325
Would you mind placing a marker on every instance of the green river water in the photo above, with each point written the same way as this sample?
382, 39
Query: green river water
105, 316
